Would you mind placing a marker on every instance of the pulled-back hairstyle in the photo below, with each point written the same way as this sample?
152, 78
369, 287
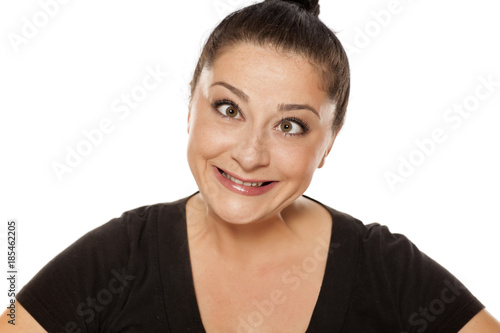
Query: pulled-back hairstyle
290, 27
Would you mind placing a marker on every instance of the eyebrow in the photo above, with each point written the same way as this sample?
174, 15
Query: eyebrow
281, 107
290, 107
234, 90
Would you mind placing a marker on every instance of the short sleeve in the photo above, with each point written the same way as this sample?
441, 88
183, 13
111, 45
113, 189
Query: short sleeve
77, 290
421, 293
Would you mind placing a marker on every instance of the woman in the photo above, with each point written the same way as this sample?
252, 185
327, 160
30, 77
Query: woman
249, 252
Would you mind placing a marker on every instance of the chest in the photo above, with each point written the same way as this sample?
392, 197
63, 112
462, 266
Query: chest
279, 299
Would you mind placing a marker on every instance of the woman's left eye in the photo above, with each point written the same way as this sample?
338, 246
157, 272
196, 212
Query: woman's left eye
292, 127
229, 110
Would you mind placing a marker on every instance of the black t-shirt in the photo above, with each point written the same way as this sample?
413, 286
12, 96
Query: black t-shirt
133, 274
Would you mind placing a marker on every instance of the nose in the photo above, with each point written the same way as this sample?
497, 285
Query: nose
252, 150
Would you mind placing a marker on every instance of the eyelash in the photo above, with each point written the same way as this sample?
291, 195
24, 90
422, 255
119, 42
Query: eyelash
220, 102
303, 124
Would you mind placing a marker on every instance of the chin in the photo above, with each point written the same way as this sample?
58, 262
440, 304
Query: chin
240, 209
236, 209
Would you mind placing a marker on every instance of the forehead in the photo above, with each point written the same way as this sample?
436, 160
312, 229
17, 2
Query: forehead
264, 67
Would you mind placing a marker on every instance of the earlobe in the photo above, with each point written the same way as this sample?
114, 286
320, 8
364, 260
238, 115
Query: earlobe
330, 145
324, 158
322, 161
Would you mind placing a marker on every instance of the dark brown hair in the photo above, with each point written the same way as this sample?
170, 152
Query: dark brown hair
288, 26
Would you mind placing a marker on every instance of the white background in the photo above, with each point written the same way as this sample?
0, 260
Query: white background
405, 76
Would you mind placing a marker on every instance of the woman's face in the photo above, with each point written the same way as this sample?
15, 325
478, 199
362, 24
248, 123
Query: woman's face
259, 125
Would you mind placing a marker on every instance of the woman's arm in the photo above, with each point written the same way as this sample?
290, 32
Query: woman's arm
483, 322
24, 322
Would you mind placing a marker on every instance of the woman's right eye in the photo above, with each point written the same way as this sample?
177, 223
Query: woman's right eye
228, 110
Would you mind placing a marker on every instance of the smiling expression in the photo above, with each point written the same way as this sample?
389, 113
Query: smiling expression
259, 125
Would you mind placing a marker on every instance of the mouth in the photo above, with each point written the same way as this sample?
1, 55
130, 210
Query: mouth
251, 183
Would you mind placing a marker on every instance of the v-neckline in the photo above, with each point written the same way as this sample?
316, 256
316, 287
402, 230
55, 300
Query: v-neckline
180, 300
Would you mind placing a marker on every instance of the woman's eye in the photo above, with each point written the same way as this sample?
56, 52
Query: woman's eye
229, 110
290, 127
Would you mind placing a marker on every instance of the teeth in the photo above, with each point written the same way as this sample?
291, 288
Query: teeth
237, 181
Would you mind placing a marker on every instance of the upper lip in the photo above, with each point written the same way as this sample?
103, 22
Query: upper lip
245, 180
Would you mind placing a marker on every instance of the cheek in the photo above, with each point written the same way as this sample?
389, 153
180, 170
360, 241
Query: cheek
296, 161
206, 138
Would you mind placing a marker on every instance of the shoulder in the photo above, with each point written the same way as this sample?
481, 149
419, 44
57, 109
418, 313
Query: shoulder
133, 229
102, 270
137, 224
384, 255
397, 284
372, 238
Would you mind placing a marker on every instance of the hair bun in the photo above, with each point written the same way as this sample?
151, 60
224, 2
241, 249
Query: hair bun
311, 6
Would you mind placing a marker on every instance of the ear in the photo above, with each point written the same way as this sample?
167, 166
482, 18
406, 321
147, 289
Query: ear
327, 151
189, 116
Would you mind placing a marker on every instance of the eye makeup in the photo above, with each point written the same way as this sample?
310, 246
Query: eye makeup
225, 101
220, 102
300, 122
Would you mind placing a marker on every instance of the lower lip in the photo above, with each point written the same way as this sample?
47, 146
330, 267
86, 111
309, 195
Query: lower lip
242, 189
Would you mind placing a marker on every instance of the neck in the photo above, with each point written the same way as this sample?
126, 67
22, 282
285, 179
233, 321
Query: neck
254, 244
